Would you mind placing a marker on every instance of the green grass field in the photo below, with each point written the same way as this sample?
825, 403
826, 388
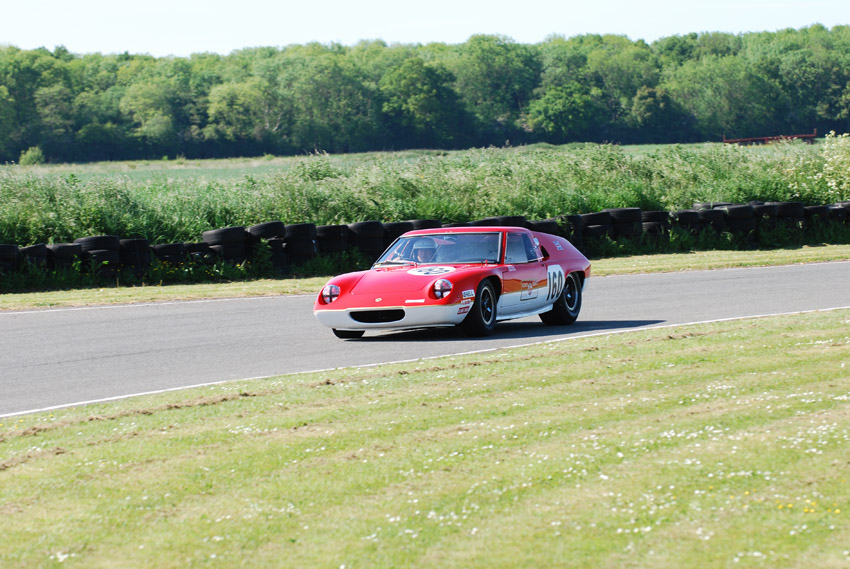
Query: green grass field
714, 445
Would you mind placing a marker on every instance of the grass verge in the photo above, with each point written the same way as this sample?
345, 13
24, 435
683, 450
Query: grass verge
700, 260
712, 445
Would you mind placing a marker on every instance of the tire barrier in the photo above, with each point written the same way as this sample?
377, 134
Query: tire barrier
64, 255
368, 237
297, 244
35, 255
229, 243
301, 242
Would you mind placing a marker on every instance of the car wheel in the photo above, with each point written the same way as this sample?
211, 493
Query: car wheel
566, 308
482, 316
348, 334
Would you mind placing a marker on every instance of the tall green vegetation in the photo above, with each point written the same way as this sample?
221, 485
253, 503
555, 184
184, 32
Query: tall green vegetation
175, 201
373, 96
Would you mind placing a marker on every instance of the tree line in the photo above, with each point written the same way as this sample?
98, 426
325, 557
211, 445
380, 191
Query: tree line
486, 91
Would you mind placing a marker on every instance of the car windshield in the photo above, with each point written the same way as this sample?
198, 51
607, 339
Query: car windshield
437, 248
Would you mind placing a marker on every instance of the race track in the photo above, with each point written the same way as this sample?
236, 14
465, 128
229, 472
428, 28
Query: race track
58, 357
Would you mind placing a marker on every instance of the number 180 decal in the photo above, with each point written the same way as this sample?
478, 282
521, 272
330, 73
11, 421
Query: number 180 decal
556, 280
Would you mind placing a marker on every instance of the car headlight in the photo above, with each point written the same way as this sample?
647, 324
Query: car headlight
330, 293
442, 288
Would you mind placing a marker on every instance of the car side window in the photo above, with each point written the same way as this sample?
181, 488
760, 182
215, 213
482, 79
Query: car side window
516, 250
532, 251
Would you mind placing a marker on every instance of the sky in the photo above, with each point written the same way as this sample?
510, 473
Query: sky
180, 27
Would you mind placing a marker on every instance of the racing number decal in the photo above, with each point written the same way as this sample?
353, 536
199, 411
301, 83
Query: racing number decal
556, 279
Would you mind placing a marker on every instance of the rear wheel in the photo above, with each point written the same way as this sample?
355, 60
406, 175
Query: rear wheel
348, 334
482, 316
566, 308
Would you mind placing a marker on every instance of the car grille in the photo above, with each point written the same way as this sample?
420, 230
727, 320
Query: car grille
378, 316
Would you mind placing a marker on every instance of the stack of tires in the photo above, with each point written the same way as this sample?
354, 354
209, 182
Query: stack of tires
101, 253
626, 221
8, 258
426, 223
135, 255
273, 234
740, 218
200, 252
790, 214
34, 255
170, 253
300, 241
368, 238
229, 243
597, 225
501, 220
816, 214
713, 219
332, 239
655, 224
393, 230
64, 255
688, 220
550, 226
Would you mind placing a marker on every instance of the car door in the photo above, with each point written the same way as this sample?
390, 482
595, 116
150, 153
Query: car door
524, 276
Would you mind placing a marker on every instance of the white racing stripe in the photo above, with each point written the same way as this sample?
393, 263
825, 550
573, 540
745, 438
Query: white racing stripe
486, 350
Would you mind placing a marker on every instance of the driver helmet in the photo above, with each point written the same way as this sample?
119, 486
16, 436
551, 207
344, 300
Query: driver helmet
423, 250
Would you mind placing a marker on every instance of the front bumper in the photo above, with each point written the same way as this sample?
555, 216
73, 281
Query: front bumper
376, 319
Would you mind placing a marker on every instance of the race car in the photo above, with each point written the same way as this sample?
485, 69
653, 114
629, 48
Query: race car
471, 277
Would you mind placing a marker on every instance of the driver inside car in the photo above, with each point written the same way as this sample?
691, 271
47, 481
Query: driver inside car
423, 250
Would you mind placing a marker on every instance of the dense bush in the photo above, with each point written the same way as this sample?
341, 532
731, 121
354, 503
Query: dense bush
173, 204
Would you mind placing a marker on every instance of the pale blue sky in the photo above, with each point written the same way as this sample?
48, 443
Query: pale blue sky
180, 27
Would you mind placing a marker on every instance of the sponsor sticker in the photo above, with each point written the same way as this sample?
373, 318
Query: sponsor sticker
558, 246
415, 301
463, 309
469, 294
430, 271
466, 301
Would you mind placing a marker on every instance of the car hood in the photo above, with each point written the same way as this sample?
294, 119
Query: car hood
402, 279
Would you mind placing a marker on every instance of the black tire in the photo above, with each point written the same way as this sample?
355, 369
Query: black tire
738, 211
566, 309
99, 243
367, 229
348, 334
625, 214
550, 226
598, 218
224, 235
790, 210
597, 231
426, 223
482, 316
655, 217
268, 230
300, 232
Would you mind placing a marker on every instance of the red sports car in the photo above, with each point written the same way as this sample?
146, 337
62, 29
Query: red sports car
467, 276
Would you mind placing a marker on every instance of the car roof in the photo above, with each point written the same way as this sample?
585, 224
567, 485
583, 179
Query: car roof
466, 229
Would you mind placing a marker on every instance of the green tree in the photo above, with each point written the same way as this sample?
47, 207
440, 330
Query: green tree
420, 104
724, 96
567, 113
495, 79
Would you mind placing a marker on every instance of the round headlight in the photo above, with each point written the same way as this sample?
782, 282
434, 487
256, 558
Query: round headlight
442, 288
330, 293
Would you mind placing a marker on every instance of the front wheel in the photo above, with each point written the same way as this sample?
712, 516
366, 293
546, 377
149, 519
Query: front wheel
566, 308
482, 316
348, 334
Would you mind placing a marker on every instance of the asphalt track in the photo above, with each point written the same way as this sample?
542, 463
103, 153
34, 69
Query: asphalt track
59, 357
